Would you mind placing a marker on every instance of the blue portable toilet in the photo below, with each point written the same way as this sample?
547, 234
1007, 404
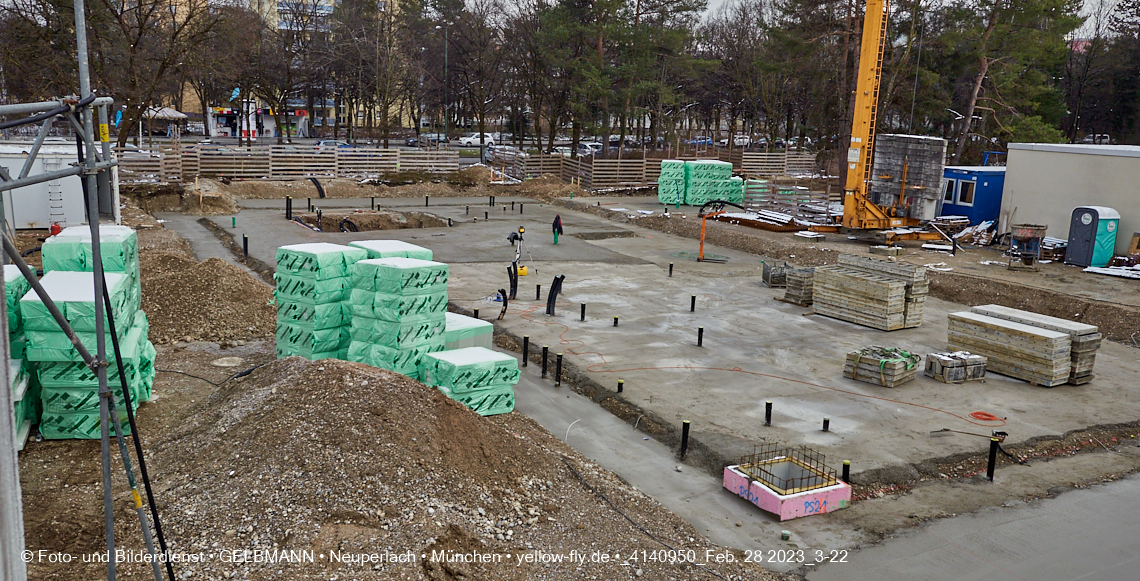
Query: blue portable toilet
973, 192
1092, 236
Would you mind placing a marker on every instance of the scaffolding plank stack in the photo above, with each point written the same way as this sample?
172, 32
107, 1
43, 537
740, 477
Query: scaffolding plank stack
1039, 356
1085, 338
885, 366
799, 290
956, 367
860, 297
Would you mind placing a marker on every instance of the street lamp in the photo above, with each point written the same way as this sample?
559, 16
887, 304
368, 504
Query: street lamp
446, 100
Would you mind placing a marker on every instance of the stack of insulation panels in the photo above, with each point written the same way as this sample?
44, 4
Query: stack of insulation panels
877, 293
477, 377
707, 180
392, 249
119, 246
463, 331
313, 286
399, 308
1039, 356
24, 401
69, 390
799, 285
15, 287
1085, 338
671, 183
885, 366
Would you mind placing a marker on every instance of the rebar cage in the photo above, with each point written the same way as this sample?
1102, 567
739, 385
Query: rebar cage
788, 470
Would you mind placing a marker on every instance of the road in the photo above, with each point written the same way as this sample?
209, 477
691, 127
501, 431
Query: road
1086, 534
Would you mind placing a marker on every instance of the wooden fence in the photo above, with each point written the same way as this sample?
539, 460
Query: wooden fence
174, 165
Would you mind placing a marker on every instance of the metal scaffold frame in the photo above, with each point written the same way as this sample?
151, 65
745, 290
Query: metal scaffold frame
94, 168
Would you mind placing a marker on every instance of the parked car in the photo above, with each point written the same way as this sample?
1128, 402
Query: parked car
331, 144
595, 146
700, 140
1097, 138
563, 151
508, 152
742, 141
472, 140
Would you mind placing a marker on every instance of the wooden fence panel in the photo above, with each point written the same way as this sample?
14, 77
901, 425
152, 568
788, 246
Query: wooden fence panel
652, 171
800, 164
359, 162
140, 167
429, 161
190, 165
576, 170
241, 163
540, 165
763, 164
289, 161
733, 156
607, 173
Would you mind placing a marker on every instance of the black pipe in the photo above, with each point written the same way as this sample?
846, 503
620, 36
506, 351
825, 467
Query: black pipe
245, 246
693, 303
826, 424
47, 114
557, 369
512, 205
994, 444
320, 189
583, 312
135, 431
684, 438
476, 313
538, 292
526, 348
847, 472
427, 199
30, 251
700, 336
466, 209
449, 222
544, 351
309, 206
288, 207
767, 413
615, 320
621, 385
486, 215
670, 269
373, 202
520, 207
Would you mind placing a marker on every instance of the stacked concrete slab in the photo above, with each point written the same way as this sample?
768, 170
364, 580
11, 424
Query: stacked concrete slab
924, 159
313, 287
398, 308
1039, 356
671, 183
1085, 338
392, 249
463, 331
477, 377
69, 390
876, 293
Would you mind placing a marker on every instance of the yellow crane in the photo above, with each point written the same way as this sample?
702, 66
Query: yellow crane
859, 212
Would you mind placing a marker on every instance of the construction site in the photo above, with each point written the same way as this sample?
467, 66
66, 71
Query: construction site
383, 363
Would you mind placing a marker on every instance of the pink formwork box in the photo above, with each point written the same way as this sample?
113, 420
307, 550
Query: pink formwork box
815, 501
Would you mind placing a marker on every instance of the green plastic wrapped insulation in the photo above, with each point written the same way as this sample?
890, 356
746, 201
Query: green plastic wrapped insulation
467, 369
409, 332
318, 260
400, 276
318, 316
71, 250
394, 307
487, 401
405, 361
463, 331
73, 293
392, 249
15, 287
312, 291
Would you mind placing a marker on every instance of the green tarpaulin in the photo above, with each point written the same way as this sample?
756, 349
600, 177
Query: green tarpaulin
400, 276
392, 249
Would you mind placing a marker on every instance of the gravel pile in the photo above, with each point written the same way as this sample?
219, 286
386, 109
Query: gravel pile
187, 300
337, 456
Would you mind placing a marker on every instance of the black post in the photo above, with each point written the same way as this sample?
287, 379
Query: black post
847, 472
512, 205
486, 215
700, 336
994, 445
318, 218
309, 204
490, 200
557, 369
427, 200
520, 207
526, 348
621, 385
544, 350
767, 413
615, 320
670, 269
538, 292
288, 207
693, 303
826, 424
466, 209
684, 438
245, 246
476, 313
373, 203
449, 222
583, 312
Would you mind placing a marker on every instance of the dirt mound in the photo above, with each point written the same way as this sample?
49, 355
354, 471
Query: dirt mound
335, 456
187, 300
475, 175
179, 198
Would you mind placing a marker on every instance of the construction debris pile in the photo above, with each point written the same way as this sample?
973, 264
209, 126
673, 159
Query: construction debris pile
398, 312
313, 312
1084, 339
885, 366
698, 182
876, 293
